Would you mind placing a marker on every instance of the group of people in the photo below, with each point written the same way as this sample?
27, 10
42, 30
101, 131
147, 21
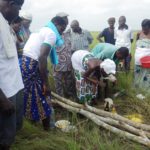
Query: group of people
77, 70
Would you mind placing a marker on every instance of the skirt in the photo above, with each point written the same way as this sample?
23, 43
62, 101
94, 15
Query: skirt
36, 105
86, 90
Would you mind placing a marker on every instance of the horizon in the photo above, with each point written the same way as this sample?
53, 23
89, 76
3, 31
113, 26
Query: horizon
92, 15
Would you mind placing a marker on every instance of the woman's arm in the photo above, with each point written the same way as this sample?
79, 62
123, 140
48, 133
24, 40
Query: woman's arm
44, 53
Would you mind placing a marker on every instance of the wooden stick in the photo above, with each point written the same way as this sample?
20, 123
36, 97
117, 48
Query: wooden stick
93, 117
139, 139
67, 101
103, 113
118, 117
124, 126
121, 124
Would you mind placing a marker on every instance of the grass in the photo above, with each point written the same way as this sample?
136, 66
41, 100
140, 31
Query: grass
89, 135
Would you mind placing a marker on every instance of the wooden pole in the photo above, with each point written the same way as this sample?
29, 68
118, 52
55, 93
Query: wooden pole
103, 113
142, 140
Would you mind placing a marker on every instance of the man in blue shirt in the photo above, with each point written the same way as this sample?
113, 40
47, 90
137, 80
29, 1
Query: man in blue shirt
108, 33
105, 50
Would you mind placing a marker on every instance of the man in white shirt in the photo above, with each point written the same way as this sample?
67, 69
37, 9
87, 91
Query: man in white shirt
10, 75
124, 38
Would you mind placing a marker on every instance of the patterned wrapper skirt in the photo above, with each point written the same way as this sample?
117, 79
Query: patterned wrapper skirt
86, 90
142, 78
36, 105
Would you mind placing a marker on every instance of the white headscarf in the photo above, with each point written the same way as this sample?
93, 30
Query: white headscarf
109, 66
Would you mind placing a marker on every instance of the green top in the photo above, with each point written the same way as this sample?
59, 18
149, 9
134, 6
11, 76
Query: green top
105, 50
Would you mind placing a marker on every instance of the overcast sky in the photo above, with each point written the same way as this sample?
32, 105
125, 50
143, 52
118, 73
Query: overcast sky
92, 14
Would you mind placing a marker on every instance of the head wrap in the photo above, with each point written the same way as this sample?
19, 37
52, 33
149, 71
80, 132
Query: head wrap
109, 66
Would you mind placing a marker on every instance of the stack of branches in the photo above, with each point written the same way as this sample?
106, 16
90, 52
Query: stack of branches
115, 123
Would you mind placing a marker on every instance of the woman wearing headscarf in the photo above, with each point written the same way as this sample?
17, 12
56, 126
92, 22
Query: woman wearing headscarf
38, 48
87, 71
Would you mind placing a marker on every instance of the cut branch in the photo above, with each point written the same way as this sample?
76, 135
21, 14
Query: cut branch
142, 140
103, 113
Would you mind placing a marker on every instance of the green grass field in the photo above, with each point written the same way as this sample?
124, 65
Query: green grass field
89, 135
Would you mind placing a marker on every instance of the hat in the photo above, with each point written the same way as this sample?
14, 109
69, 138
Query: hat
109, 66
26, 15
62, 14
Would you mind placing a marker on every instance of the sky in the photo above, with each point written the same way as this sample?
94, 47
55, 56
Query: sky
91, 14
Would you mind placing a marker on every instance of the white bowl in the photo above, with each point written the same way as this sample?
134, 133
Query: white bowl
69, 128
62, 124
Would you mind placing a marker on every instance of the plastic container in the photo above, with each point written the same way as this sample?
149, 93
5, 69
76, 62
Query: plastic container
145, 62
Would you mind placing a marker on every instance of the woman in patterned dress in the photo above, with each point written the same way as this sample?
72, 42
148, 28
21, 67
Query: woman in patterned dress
34, 70
86, 67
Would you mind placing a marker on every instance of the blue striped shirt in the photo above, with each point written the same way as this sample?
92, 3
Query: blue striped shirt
81, 41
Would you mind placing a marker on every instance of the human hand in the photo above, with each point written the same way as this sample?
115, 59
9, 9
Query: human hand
46, 90
7, 107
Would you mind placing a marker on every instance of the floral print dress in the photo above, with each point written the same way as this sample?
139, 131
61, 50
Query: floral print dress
86, 90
